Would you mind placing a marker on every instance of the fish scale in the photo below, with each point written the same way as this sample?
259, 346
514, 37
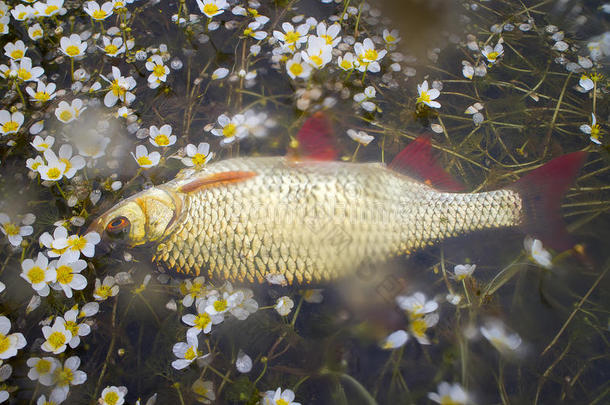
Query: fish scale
314, 222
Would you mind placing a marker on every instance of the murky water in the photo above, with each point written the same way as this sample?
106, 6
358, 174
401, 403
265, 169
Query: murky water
511, 84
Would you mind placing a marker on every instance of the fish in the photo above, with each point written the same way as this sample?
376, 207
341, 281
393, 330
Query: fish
312, 218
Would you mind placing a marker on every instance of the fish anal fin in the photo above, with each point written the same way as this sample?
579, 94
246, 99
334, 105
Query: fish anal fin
541, 191
216, 179
315, 139
417, 160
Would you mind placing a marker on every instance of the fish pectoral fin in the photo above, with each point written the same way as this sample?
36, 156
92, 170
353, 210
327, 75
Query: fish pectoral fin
315, 139
215, 180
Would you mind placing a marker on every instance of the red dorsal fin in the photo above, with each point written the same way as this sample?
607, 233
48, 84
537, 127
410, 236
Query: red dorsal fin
315, 139
541, 191
417, 161
216, 179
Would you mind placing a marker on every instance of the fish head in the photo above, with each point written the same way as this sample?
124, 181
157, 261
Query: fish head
142, 218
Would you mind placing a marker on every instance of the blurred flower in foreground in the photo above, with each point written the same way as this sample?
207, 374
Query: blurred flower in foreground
449, 394
278, 397
495, 332
462, 271
68, 374
416, 305
537, 252
395, 340
284, 305
204, 391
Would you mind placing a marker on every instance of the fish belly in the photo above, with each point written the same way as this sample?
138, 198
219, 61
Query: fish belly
317, 221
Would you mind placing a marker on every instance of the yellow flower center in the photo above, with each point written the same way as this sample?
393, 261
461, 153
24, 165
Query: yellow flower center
328, 38
447, 400
77, 243
144, 161
50, 9
67, 163
117, 89
159, 70
104, 291
111, 49
57, 340
65, 115
291, 37
191, 353
220, 305
24, 74
64, 375
99, 14
43, 366
72, 327
111, 398
345, 64
42, 96
492, 56
253, 12
248, 31
5, 343
595, 130
64, 276
424, 97
296, 69
21, 15
36, 165
229, 130
11, 229
281, 402
17, 54
390, 38
35, 275
36, 33
316, 59
210, 9
370, 54
199, 159
53, 173
202, 320
162, 140
72, 50
419, 327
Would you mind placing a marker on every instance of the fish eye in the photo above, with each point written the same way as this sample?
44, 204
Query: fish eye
118, 226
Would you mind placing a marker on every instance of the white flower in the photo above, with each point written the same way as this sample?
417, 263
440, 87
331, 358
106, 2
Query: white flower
231, 128
41, 144
113, 47
187, 352
89, 309
461, 271
241, 304
42, 369
192, 289
145, 159
4, 24
243, 363
9, 343
217, 305
495, 332
35, 32
467, 69
492, 54
50, 8
296, 68
69, 112
363, 98
360, 136
68, 277
76, 329
318, 53
57, 243
416, 305
73, 46
10, 123
113, 395
38, 274
202, 322
253, 31
162, 137
43, 92
220, 73
284, 305
537, 252
21, 12
347, 62
391, 37
291, 38
452, 394
212, 8
395, 340
419, 326
13, 232
453, 299
368, 57
427, 96
56, 397
158, 69
68, 374
197, 155
5, 373
73, 163
586, 83
57, 337
278, 397
106, 289
593, 130
204, 391
119, 88
26, 72
329, 34
96, 12
15, 50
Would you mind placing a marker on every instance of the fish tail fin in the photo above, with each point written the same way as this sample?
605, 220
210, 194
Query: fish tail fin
541, 191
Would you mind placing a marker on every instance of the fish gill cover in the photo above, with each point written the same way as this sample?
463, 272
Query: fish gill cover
103, 100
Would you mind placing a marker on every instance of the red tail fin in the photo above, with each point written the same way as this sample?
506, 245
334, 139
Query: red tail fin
541, 190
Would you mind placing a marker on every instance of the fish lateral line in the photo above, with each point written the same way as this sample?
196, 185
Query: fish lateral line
215, 180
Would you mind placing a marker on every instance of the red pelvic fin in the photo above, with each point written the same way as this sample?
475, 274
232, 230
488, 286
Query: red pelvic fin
316, 140
417, 161
542, 190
